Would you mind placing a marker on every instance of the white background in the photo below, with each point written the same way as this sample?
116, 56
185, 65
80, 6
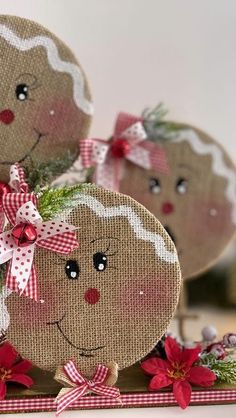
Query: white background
139, 52
226, 411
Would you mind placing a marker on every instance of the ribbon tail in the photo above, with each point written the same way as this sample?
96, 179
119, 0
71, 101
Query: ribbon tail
107, 174
69, 398
23, 272
31, 289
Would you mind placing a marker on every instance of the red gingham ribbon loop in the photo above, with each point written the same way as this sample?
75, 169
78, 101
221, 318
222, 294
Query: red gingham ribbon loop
81, 386
17, 184
17, 179
128, 142
53, 235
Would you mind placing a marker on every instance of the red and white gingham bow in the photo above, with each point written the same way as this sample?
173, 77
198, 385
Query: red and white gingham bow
80, 386
53, 235
19, 206
130, 134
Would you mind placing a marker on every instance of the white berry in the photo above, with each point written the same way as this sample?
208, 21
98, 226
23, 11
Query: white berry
209, 333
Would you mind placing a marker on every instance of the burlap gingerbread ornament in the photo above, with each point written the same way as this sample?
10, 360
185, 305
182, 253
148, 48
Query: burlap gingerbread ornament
178, 172
110, 299
45, 100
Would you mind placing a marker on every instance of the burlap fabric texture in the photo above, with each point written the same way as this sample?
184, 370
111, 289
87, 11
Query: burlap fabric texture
109, 300
45, 99
195, 201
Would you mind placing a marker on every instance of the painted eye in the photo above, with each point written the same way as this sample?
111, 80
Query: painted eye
22, 91
72, 269
154, 186
181, 185
100, 261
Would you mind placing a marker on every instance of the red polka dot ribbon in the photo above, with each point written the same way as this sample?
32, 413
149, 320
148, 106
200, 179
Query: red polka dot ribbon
18, 245
128, 142
79, 386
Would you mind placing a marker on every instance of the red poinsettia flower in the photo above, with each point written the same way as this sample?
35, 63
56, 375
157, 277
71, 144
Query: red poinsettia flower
12, 370
178, 370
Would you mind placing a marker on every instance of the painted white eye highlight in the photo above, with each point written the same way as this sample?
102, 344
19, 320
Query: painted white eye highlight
181, 186
72, 269
100, 261
22, 91
154, 185
52, 112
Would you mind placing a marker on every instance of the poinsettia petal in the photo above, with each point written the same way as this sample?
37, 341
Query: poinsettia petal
201, 376
153, 365
182, 392
21, 378
3, 390
173, 350
8, 355
190, 355
22, 367
159, 381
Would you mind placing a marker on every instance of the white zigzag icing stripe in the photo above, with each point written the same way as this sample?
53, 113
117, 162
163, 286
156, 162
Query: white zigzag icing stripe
218, 165
55, 61
134, 221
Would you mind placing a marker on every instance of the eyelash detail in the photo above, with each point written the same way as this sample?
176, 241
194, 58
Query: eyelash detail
109, 245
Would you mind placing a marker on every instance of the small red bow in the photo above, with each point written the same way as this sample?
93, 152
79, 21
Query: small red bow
29, 231
80, 386
128, 142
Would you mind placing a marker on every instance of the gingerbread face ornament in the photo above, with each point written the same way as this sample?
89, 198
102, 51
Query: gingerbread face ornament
181, 175
45, 100
110, 299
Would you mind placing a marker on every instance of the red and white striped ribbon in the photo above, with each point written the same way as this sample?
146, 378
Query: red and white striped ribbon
81, 386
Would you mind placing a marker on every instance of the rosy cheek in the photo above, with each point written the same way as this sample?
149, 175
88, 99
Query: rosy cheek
58, 117
212, 218
33, 314
143, 297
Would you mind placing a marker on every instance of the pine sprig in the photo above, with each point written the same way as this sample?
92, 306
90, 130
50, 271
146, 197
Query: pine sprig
156, 127
53, 201
41, 174
225, 370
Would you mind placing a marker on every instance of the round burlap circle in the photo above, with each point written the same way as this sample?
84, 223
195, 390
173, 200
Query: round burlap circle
109, 300
45, 99
195, 201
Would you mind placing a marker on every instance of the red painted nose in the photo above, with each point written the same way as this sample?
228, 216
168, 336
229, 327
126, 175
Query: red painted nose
6, 116
167, 208
92, 296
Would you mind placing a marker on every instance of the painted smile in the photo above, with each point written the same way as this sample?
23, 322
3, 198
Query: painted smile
84, 352
40, 135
